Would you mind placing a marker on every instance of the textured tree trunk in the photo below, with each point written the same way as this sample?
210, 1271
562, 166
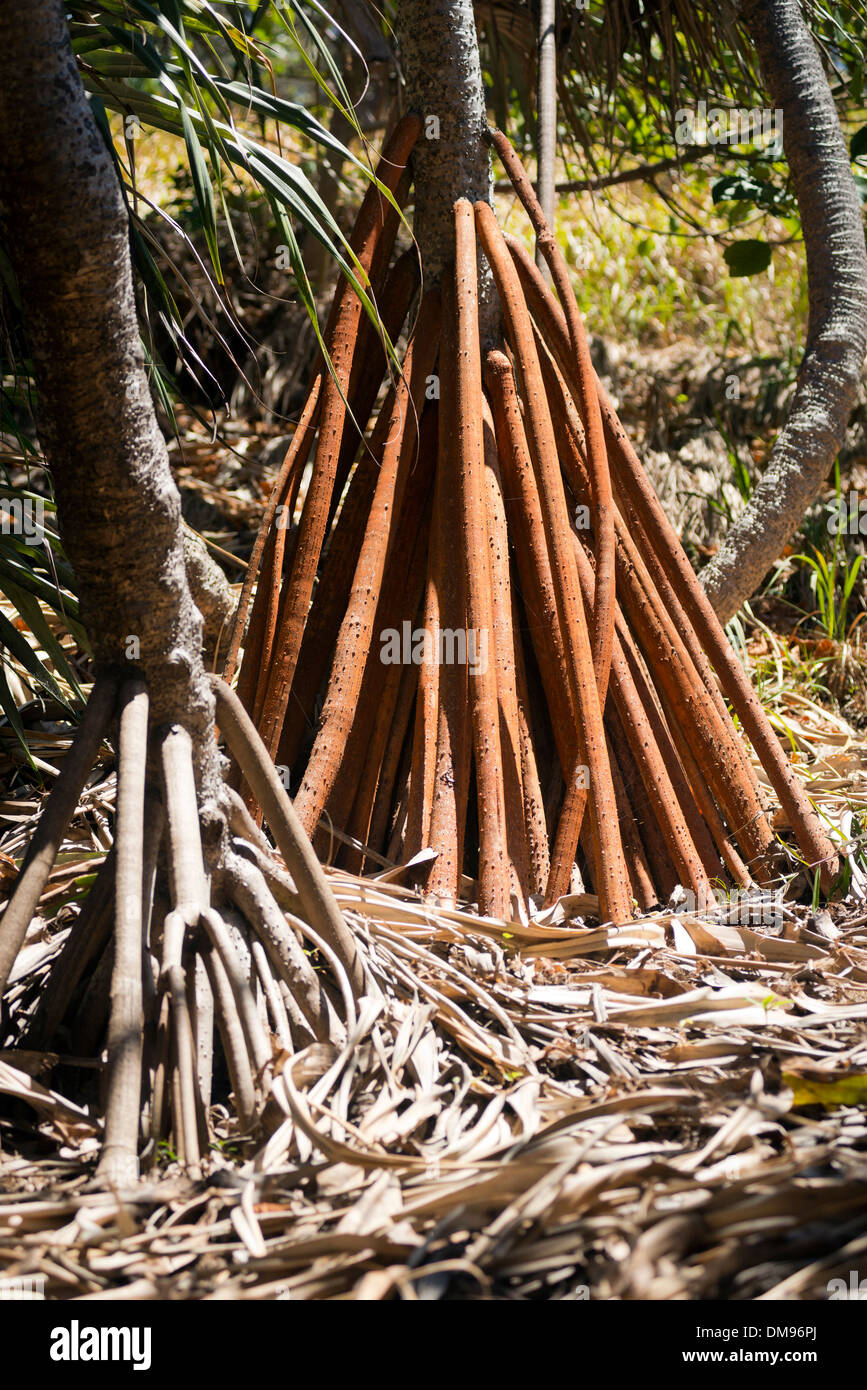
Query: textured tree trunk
837, 331
546, 108
440, 55
63, 223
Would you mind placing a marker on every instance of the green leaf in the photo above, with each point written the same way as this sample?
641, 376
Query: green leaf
742, 187
859, 143
851, 577
13, 566
747, 257
204, 190
35, 619
18, 645
829, 1092
10, 709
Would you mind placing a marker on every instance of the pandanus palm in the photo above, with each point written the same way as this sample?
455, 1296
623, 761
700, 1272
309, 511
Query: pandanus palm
455, 513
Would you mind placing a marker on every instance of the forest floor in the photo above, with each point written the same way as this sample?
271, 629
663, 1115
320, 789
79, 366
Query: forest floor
669, 1109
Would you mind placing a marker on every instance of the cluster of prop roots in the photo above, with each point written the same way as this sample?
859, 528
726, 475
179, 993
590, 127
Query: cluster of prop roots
169, 947
481, 636
561, 691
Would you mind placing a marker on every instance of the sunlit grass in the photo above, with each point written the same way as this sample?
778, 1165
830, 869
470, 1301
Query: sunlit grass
645, 277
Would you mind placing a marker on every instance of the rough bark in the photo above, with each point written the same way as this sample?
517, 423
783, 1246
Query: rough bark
63, 224
439, 53
546, 116
837, 329
211, 593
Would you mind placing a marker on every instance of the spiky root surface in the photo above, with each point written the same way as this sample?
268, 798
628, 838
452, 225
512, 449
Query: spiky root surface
506, 658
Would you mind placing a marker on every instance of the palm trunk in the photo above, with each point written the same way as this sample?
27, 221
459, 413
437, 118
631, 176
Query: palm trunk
546, 116
442, 69
837, 331
64, 226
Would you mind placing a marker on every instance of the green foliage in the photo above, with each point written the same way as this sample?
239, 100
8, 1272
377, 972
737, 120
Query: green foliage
35, 576
832, 576
831, 583
745, 188
180, 67
748, 257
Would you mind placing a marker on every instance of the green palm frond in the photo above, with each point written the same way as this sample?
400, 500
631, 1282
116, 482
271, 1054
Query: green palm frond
180, 67
38, 606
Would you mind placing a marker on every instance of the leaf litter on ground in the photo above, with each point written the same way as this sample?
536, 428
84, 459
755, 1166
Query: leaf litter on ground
545, 1108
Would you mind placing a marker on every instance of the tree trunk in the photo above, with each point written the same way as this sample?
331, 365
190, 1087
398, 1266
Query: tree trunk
546, 116
440, 55
837, 330
118, 506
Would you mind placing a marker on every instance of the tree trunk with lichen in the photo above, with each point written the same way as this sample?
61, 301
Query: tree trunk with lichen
63, 224
440, 55
837, 283
118, 506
